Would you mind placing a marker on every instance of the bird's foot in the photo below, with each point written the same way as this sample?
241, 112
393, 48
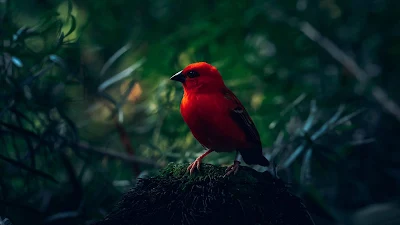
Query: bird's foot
195, 164
232, 168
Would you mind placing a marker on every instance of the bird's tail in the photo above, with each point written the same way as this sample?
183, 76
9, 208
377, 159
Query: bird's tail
249, 157
263, 161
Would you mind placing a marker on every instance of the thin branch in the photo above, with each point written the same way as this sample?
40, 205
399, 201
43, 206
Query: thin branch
126, 142
117, 155
292, 105
73, 178
27, 168
86, 146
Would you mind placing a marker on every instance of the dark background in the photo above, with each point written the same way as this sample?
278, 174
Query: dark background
87, 107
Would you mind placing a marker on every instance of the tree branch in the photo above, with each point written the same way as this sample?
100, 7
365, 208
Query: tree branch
85, 146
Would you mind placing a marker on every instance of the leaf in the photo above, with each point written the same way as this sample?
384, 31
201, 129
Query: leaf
61, 216
277, 147
60, 40
328, 123
362, 142
313, 137
27, 92
17, 62
296, 102
310, 120
120, 116
5, 221
57, 60
70, 123
41, 140
292, 105
123, 101
73, 26
19, 130
20, 32
378, 214
305, 172
293, 156
125, 73
348, 117
114, 58
43, 71
19, 114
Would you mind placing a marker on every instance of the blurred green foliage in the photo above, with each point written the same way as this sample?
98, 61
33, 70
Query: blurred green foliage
86, 105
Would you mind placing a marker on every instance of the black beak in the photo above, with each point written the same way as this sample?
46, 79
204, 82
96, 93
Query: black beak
178, 77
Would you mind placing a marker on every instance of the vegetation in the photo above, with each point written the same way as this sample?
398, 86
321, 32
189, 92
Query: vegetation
209, 197
86, 106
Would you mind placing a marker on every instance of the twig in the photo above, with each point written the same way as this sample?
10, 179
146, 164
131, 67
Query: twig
126, 142
86, 146
27, 168
73, 178
362, 142
296, 102
292, 105
118, 155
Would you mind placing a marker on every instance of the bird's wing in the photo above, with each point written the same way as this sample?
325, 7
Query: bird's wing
239, 114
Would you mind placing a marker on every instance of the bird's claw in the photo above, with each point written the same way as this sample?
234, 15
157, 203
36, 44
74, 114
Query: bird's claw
193, 166
232, 168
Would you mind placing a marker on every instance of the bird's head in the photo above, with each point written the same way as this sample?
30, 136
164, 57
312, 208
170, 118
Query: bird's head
199, 76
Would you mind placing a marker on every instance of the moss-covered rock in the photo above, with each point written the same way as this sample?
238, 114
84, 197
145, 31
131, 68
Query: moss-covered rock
206, 197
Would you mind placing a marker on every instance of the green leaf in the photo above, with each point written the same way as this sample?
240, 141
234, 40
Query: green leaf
123, 74
73, 26
114, 58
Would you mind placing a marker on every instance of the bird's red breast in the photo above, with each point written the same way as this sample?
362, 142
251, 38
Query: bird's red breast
208, 117
213, 113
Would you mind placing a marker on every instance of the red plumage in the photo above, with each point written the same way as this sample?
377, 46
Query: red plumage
216, 117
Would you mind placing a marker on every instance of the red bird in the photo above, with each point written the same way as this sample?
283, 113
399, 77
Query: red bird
216, 117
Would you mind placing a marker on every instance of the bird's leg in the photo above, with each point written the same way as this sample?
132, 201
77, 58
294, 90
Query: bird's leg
196, 163
235, 166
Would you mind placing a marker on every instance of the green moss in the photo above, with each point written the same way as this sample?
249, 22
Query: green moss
206, 197
208, 172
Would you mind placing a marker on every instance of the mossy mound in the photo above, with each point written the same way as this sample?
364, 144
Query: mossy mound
206, 197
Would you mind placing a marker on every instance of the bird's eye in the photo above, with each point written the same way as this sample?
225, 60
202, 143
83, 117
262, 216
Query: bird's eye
192, 74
